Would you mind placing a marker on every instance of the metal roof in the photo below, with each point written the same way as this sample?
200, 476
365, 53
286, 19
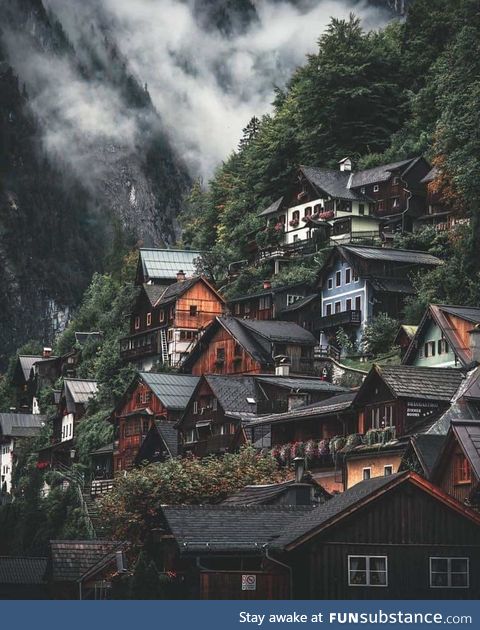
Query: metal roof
27, 362
160, 264
378, 173
14, 424
391, 255
469, 313
173, 390
297, 383
272, 208
79, 391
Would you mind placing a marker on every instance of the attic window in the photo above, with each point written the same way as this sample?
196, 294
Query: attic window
193, 310
137, 322
149, 319
251, 401
162, 316
462, 471
376, 188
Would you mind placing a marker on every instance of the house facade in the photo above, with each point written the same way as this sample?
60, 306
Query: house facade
167, 321
357, 283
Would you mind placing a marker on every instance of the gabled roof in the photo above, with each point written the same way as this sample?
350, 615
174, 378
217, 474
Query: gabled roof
103, 450
177, 289
255, 337
359, 496
301, 303
154, 292
272, 208
173, 390
333, 183
22, 570
268, 493
270, 291
468, 436
462, 407
333, 405
233, 391
408, 330
79, 391
440, 313
224, 528
427, 447
72, 559
391, 285
430, 176
389, 254
27, 362
420, 383
169, 435
164, 264
381, 173
21, 424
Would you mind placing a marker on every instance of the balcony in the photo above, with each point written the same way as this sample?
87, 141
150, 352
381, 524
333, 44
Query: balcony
345, 318
213, 444
142, 344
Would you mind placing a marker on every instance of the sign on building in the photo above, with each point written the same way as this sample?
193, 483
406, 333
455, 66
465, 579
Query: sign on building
249, 582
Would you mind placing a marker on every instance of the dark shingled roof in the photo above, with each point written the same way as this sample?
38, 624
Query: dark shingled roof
335, 506
224, 528
232, 392
392, 285
304, 301
22, 570
176, 290
335, 404
272, 208
278, 331
173, 390
427, 446
430, 176
71, 559
469, 313
169, 435
154, 292
423, 383
334, 183
103, 450
260, 494
302, 384
379, 173
14, 424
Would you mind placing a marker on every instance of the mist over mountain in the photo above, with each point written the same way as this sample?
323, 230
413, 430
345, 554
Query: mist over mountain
108, 110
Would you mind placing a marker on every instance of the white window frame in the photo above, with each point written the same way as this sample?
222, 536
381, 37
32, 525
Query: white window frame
376, 188
330, 284
369, 468
367, 571
149, 319
385, 470
338, 275
449, 572
195, 406
335, 312
351, 275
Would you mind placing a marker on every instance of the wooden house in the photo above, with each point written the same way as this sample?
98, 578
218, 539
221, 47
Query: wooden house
15, 427
444, 337
395, 402
346, 548
72, 406
269, 303
422, 453
151, 401
31, 373
357, 283
166, 321
83, 569
404, 337
237, 346
457, 469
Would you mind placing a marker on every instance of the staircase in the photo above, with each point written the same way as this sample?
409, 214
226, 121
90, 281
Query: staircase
91, 508
164, 346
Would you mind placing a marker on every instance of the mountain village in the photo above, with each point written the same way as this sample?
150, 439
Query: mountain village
379, 452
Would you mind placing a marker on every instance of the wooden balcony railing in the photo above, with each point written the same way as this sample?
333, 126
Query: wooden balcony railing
213, 444
345, 318
140, 345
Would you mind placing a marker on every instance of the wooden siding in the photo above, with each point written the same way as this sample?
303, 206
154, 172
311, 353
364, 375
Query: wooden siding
461, 328
406, 525
228, 585
446, 477
241, 363
207, 303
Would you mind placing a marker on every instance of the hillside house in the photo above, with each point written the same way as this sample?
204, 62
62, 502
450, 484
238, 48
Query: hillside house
166, 321
15, 427
445, 337
160, 266
269, 303
239, 346
150, 407
358, 283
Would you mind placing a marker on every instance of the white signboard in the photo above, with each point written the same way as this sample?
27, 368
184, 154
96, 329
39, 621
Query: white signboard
249, 582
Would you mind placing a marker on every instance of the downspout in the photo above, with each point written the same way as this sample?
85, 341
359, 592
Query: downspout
285, 566
409, 196
80, 590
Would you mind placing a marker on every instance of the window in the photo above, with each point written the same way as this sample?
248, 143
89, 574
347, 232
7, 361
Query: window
366, 473
295, 238
161, 316
214, 404
291, 299
307, 212
227, 429
449, 573
358, 303
264, 303
171, 312
362, 190
338, 307
221, 355
396, 181
348, 305
443, 347
462, 472
395, 202
330, 283
348, 275
137, 322
170, 335
328, 309
236, 308
355, 276
237, 352
193, 310
296, 215
429, 349
149, 319
388, 470
338, 278
190, 436
195, 406
367, 571
376, 188
361, 209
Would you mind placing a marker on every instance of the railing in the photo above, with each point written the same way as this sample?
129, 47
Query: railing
140, 345
352, 317
100, 486
326, 352
213, 444
365, 238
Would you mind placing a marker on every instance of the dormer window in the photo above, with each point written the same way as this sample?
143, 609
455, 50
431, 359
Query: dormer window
162, 316
149, 319
376, 188
137, 322
193, 310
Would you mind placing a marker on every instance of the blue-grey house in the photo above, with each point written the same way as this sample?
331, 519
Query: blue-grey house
356, 283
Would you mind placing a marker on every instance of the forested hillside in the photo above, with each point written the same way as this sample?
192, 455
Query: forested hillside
409, 89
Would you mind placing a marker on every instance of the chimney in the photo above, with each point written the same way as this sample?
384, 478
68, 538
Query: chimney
282, 365
475, 343
345, 164
267, 284
299, 464
181, 276
47, 353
